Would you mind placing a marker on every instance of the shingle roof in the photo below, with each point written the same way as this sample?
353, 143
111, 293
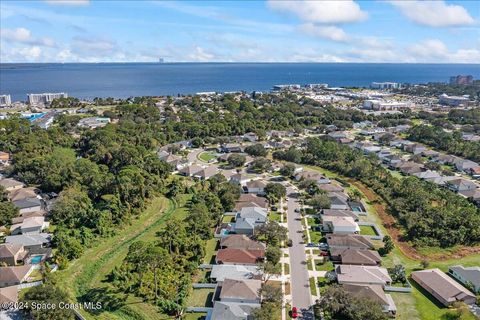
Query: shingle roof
23, 193
361, 257
372, 292
221, 271
231, 255
232, 311
362, 274
14, 274
27, 203
9, 294
241, 289
241, 241
8, 250
349, 240
471, 274
10, 183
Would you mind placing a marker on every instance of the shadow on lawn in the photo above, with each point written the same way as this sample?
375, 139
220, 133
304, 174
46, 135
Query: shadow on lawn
109, 299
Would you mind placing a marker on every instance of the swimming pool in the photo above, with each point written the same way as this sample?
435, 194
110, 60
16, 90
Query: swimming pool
36, 259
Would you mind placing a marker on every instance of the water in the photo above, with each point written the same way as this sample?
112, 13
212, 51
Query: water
137, 79
36, 259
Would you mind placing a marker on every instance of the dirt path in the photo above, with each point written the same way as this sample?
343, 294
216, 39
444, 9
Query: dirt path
389, 223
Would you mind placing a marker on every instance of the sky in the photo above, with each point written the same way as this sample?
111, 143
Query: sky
240, 31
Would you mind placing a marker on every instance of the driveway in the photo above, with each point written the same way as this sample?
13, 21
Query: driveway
300, 284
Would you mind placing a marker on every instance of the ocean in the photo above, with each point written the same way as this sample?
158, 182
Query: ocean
121, 80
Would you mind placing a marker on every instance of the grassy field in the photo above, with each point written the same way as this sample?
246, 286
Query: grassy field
323, 266
367, 231
206, 156
195, 316
313, 286
87, 274
210, 250
274, 216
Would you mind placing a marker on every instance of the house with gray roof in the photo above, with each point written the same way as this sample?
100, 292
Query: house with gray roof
364, 275
11, 184
348, 241
460, 184
442, 287
239, 291
372, 292
30, 241
467, 276
232, 311
28, 205
256, 213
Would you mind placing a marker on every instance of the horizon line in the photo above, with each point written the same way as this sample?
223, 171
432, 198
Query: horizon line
235, 62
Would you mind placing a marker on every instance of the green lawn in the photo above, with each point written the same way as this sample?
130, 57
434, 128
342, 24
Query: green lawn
323, 266
206, 156
195, 316
368, 231
228, 219
274, 216
313, 286
210, 250
315, 236
201, 298
287, 268
88, 273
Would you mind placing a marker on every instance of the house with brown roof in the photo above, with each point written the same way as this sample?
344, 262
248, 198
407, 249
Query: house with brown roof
331, 187
23, 193
259, 201
32, 225
206, 173
190, 170
9, 295
12, 254
4, 157
11, 276
239, 291
372, 292
363, 275
256, 187
239, 256
11, 184
442, 287
356, 257
241, 241
312, 175
348, 241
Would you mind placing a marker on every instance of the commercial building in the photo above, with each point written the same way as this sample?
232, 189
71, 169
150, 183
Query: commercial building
461, 79
453, 101
385, 85
379, 105
44, 98
5, 100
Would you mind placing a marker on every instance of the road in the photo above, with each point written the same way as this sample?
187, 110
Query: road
300, 284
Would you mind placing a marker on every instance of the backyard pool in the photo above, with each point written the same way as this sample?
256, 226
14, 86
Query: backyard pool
36, 259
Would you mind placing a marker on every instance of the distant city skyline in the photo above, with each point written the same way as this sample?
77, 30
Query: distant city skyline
230, 31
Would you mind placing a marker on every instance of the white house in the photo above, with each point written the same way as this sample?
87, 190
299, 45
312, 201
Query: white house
340, 225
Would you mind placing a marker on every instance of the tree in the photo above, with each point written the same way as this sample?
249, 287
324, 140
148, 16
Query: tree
273, 254
355, 195
272, 233
275, 191
73, 208
320, 201
47, 293
256, 150
425, 263
236, 160
7, 212
272, 294
261, 165
397, 273
265, 311
287, 170
310, 186
197, 142
388, 246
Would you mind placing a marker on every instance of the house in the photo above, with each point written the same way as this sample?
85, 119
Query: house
475, 172
30, 241
11, 276
445, 159
220, 272
473, 195
425, 175
245, 226
33, 225
467, 276
190, 170
8, 295
4, 157
465, 165
93, 122
331, 187
442, 180
442, 287
230, 148
26, 215
410, 168
460, 184
239, 178
256, 213
340, 225
348, 241
414, 148
340, 213
356, 257
337, 135
430, 154
241, 241
256, 187
232, 311
239, 256
372, 292
312, 175
23, 193
338, 201
364, 275
12, 254
28, 205
11, 184
259, 201
250, 136
206, 173
239, 291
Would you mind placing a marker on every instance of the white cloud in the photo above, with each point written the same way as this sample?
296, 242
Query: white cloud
322, 11
200, 55
23, 35
69, 2
434, 13
90, 45
434, 50
326, 32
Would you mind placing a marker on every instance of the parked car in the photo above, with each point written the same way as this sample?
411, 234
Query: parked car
289, 242
297, 210
323, 245
274, 208
311, 245
294, 313
324, 253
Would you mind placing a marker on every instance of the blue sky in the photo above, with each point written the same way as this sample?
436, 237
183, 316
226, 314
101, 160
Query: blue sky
237, 31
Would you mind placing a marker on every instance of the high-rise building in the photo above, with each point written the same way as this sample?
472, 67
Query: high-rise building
44, 98
461, 79
5, 100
